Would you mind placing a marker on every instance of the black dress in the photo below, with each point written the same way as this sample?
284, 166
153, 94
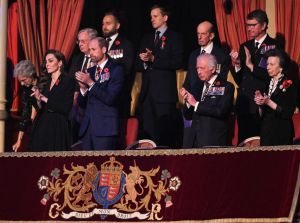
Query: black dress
277, 125
51, 128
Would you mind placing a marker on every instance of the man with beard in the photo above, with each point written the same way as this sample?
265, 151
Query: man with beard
80, 62
121, 52
100, 88
250, 72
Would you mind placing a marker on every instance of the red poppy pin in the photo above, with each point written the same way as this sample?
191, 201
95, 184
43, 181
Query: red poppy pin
163, 42
117, 42
218, 83
285, 85
57, 82
106, 70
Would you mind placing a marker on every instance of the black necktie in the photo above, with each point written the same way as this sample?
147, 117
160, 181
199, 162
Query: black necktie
203, 51
156, 38
108, 39
85, 64
206, 84
98, 72
256, 45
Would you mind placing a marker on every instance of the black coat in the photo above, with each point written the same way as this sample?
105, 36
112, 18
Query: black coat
210, 120
248, 82
277, 125
159, 78
122, 53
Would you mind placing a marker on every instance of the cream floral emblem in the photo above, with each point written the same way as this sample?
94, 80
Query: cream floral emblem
82, 192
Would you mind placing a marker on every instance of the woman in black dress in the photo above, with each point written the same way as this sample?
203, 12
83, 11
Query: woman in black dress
51, 128
277, 104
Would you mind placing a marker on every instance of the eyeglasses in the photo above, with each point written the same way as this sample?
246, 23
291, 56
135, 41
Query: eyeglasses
251, 25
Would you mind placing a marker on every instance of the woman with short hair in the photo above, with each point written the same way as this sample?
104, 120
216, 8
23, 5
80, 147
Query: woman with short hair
277, 104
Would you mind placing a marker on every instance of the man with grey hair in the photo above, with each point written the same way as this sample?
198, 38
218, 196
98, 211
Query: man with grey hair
210, 109
80, 62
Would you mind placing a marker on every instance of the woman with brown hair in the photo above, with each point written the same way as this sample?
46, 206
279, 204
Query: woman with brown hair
51, 128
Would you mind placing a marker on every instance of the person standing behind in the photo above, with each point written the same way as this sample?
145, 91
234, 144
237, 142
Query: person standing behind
250, 73
100, 88
277, 104
210, 109
121, 52
160, 55
192, 83
205, 36
51, 128
80, 62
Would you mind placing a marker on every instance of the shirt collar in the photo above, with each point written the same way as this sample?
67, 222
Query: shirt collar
212, 79
208, 48
102, 65
261, 40
112, 39
162, 30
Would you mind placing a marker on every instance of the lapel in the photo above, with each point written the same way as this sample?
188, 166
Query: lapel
277, 89
117, 43
161, 42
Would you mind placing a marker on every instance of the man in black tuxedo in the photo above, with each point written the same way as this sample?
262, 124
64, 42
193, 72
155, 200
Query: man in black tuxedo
80, 62
210, 109
160, 55
121, 52
250, 72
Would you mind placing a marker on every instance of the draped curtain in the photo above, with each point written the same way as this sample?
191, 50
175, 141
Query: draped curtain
52, 28
63, 24
287, 25
12, 50
32, 29
231, 26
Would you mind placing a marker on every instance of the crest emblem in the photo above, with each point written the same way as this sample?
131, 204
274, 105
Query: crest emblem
85, 191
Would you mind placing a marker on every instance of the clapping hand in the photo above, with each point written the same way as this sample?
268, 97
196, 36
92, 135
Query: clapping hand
188, 97
235, 59
260, 99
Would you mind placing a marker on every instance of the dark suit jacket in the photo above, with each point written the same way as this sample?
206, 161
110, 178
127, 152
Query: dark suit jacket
101, 102
248, 81
122, 53
277, 126
210, 121
192, 82
76, 64
159, 78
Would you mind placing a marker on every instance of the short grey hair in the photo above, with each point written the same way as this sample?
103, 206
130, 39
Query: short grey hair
24, 68
211, 59
91, 32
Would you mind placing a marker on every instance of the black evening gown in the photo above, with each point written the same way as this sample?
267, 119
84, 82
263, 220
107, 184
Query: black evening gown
277, 126
51, 127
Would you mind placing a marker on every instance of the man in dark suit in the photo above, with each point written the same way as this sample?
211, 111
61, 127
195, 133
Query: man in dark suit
192, 83
121, 52
80, 62
160, 55
100, 88
210, 109
205, 35
250, 73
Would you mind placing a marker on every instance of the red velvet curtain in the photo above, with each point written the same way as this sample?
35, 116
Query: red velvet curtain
59, 33
287, 26
12, 50
32, 30
231, 26
63, 24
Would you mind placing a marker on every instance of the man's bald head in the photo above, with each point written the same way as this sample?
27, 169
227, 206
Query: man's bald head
205, 33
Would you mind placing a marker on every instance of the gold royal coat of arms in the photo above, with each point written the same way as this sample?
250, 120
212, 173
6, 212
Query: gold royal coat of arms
85, 191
